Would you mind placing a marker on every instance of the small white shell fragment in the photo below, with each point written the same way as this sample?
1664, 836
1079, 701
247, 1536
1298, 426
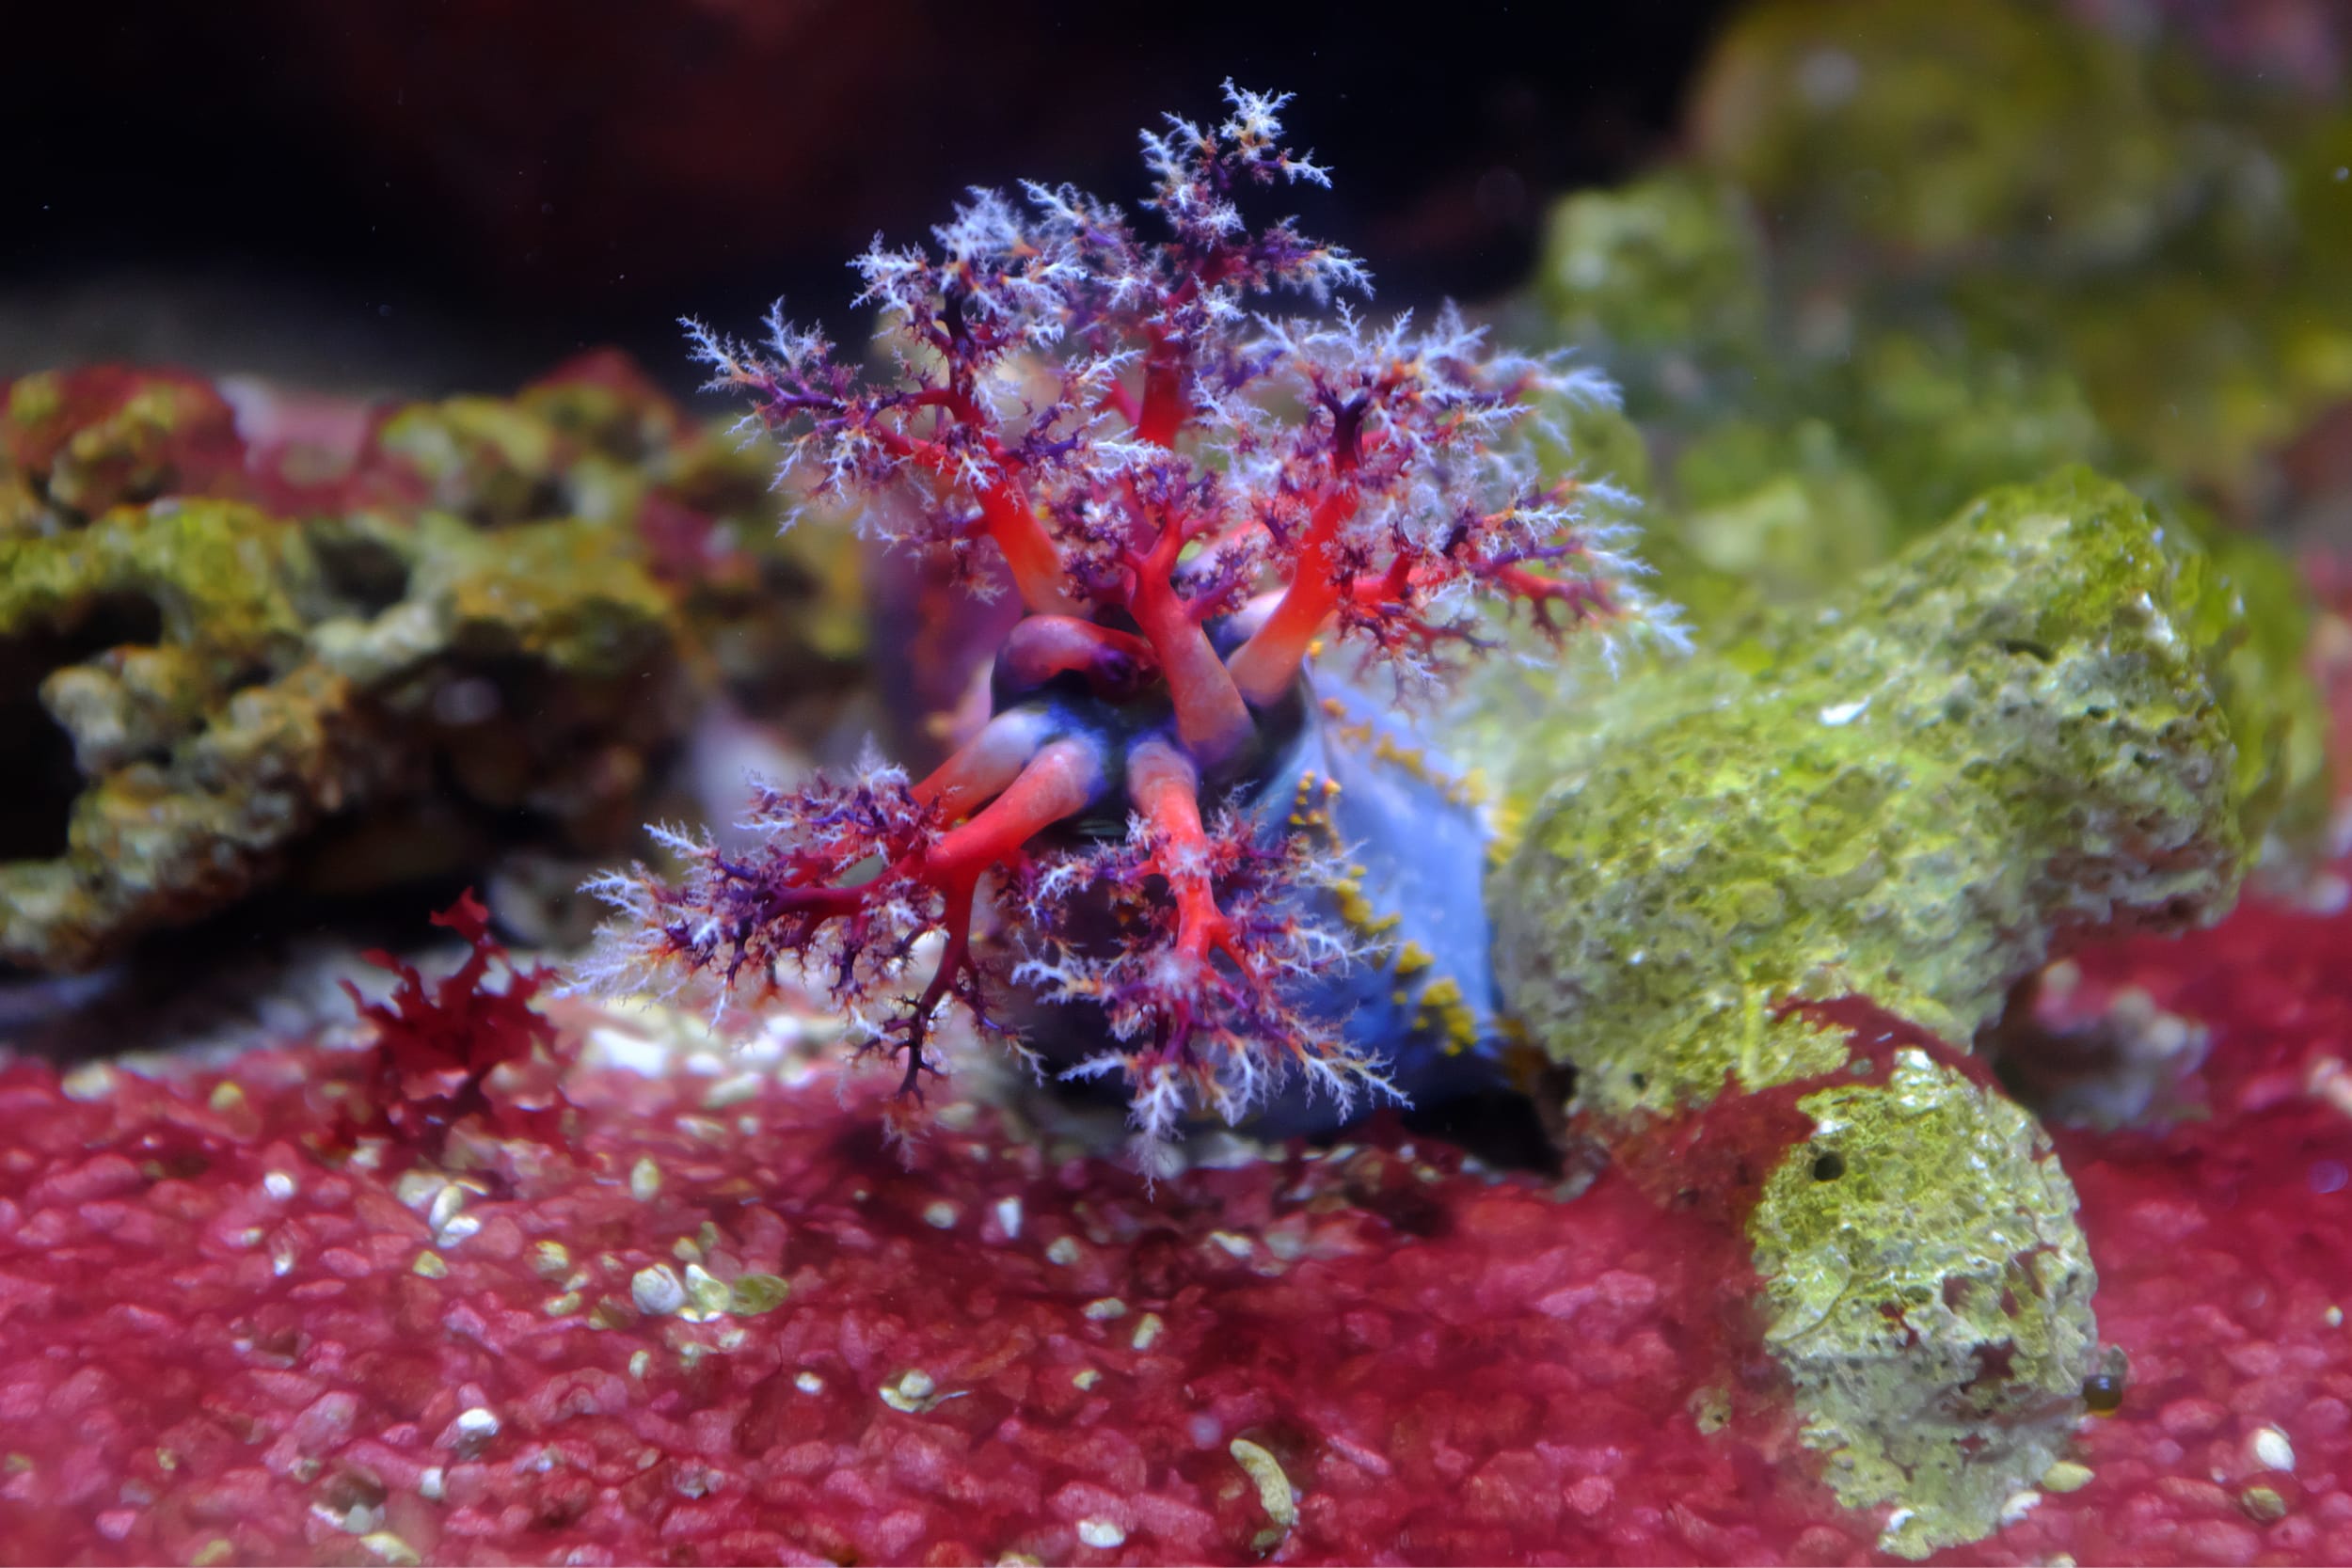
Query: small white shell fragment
733, 1091
90, 1081
447, 1200
477, 1426
657, 1291
2271, 1450
418, 1188
941, 1216
1106, 1307
1009, 1217
1102, 1534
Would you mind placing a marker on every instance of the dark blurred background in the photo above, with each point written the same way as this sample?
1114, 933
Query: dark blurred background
414, 197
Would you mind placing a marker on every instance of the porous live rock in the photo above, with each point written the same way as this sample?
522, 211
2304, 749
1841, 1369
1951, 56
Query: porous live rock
1927, 1287
1826, 365
481, 627
2007, 733
2007, 736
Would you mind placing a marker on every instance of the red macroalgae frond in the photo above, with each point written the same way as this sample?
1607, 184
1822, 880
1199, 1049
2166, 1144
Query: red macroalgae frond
1198, 980
458, 1047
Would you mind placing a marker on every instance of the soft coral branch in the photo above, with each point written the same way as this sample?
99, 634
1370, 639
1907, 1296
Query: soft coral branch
854, 874
1202, 995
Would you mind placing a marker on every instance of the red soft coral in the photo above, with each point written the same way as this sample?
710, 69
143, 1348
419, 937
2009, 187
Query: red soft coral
1187, 495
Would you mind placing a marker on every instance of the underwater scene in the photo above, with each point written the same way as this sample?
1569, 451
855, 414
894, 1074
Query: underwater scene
1565, 788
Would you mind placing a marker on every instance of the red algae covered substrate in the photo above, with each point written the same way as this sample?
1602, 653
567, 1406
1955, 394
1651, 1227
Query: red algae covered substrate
216, 1345
2224, 1247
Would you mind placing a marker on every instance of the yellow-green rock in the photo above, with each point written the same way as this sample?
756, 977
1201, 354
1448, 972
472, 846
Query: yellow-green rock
2010, 731
207, 697
1927, 1289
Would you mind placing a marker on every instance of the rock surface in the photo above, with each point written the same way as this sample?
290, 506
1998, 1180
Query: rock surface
477, 622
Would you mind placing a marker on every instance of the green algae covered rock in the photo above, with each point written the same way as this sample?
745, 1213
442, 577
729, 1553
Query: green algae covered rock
1927, 1289
2010, 731
1666, 275
251, 701
481, 635
2020, 726
1895, 290
1925, 128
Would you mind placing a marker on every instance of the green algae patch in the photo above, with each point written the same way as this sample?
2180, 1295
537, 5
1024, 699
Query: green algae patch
1907, 793
1927, 1289
1669, 268
465, 647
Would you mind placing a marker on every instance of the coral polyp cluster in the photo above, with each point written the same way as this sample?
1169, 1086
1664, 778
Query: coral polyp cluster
1188, 496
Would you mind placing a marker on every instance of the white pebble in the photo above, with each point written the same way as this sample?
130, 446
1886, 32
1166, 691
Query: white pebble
941, 1216
1009, 1217
657, 1291
418, 1188
447, 1200
2271, 1450
644, 1180
1101, 1533
278, 1185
